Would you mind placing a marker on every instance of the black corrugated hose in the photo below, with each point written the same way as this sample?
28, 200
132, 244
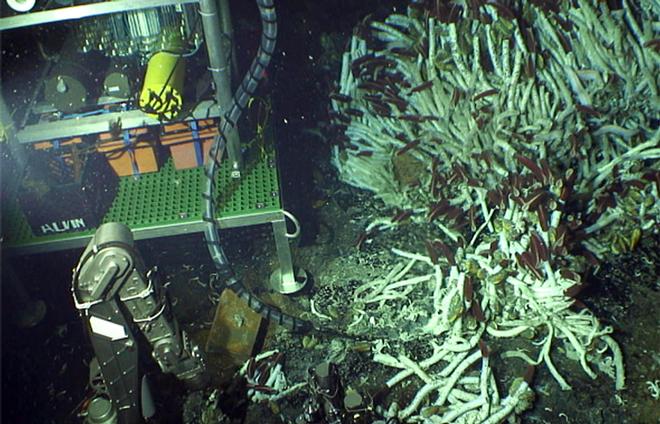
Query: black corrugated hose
243, 94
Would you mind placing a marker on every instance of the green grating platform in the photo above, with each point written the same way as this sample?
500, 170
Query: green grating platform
166, 203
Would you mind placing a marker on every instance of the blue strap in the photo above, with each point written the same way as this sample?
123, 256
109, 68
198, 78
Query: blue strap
57, 146
199, 154
131, 153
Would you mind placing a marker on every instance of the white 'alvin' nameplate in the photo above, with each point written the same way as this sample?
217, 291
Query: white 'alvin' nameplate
108, 329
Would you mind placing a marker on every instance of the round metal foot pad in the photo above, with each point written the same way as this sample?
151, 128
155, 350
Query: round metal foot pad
278, 284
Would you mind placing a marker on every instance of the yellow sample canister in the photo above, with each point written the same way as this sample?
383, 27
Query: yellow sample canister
162, 92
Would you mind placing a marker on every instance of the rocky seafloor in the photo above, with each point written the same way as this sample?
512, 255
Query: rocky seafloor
623, 292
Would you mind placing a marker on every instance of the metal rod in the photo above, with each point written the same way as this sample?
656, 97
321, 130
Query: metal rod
101, 123
228, 29
220, 70
8, 125
83, 11
37, 90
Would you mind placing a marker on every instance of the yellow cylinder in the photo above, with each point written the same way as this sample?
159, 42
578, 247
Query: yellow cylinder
162, 91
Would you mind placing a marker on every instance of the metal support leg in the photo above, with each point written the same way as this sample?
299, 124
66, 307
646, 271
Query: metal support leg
283, 252
284, 280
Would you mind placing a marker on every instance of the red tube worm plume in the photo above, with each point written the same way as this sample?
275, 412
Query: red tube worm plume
402, 216
477, 312
431, 251
485, 352
529, 374
468, 290
446, 251
363, 237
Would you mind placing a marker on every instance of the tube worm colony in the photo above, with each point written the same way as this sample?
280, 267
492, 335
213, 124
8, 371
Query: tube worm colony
528, 138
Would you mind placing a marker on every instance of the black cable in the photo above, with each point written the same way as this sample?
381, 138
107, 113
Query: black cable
240, 99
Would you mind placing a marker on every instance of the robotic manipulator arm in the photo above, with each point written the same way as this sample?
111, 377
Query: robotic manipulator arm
123, 305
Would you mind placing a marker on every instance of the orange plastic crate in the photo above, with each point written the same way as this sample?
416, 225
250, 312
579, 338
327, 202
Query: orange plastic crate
189, 142
45, 145
64, 159
132, 155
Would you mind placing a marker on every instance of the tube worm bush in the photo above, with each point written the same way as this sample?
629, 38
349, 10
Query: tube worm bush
535, 132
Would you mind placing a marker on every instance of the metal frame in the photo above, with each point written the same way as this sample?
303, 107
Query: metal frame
133, 119
102, 122
275, 218
83, 11
99, 123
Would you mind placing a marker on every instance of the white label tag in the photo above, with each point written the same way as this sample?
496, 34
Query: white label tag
108, 329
